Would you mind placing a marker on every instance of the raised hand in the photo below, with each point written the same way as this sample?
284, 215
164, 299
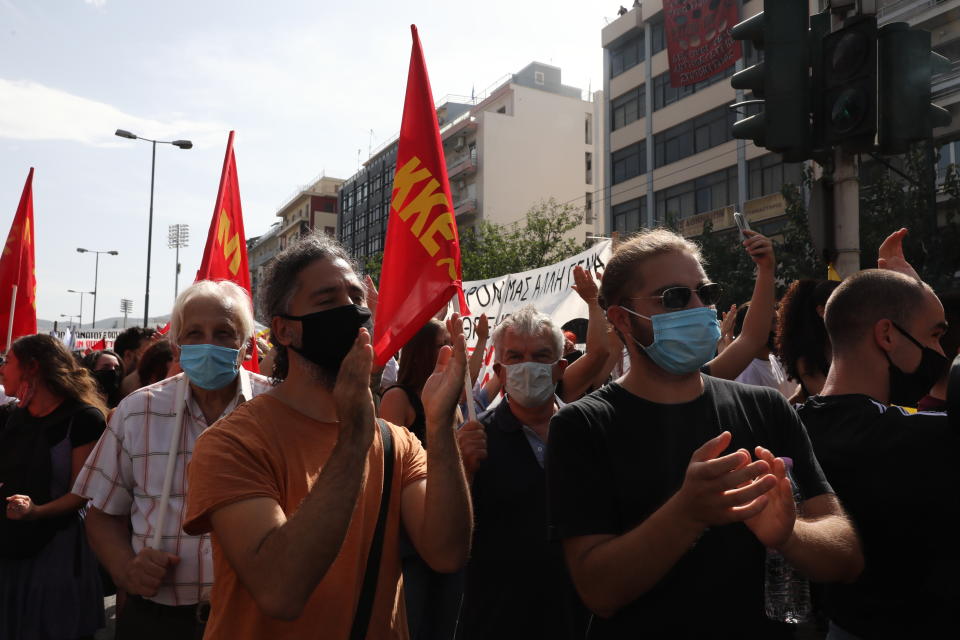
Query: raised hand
483, 327
726, 328
584, 284
472, 439
351, 393
146, 570
373, 296
774, 524
890, 255
760, 249
444, 386
719, 491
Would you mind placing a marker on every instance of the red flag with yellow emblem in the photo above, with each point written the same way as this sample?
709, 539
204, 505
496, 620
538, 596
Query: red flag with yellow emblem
421, 259
225, 256
18, 281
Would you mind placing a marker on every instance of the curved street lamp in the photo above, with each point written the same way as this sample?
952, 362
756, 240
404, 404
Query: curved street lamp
96, 273
182, 144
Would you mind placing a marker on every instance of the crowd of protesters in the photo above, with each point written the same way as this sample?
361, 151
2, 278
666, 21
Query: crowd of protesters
664, 473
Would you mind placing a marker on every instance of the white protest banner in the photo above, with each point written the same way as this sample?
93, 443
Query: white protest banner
548, 289
81, 340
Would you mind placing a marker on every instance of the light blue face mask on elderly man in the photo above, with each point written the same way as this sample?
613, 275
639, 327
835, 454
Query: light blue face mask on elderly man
683, 341
209, 366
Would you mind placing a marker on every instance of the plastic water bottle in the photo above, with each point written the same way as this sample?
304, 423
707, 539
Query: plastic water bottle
786, 590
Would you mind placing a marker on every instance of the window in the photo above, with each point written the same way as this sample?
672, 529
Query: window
629, 162
694, 136
626, 56
502, 109
767, 174
538, 77
664, 94
628, 107
706, 193
629, 216
657, 40
588, 129
588, 161
588, 208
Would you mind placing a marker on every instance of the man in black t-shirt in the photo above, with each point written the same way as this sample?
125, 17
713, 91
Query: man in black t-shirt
893, 470
653, 487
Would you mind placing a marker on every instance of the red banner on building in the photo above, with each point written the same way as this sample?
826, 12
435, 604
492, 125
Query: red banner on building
421, 259
225, 254
698, 38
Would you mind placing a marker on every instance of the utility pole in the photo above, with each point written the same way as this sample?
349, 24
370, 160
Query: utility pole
178, 237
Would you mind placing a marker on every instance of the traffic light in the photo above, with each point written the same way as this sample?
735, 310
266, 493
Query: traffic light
846, 112
782, 80
906, 65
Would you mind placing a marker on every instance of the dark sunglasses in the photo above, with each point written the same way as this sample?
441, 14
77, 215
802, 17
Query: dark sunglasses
678, 297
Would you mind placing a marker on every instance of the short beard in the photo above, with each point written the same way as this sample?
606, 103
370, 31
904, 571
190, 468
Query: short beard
321, 375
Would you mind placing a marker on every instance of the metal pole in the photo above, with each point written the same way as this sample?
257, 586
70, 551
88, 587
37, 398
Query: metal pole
146, 295
176, 275
81, 309
13, 305
846, 207
96, 276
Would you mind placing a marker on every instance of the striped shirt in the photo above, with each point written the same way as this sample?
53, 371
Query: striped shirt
123, 476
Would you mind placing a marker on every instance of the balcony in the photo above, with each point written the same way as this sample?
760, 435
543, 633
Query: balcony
462, 166
465, 208
925, 14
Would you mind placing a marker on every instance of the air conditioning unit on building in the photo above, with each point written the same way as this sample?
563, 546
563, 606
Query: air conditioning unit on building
460, 143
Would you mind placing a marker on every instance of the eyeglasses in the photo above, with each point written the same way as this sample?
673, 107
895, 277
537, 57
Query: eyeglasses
678, 297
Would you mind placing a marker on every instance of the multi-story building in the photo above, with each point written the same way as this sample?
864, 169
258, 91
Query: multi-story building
312, 207
672, 156
528, 138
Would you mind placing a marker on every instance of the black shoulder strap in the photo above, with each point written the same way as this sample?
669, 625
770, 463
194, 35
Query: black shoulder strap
361, 619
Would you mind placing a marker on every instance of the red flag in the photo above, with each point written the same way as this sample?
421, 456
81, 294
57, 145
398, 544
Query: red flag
421, 260
225, 256
99, 345
17, 269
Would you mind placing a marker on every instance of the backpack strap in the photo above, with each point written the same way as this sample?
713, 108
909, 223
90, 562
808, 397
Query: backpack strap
361, 619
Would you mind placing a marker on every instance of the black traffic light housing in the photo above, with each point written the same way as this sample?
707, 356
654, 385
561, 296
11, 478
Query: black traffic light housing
782, 80
906, 65
847, 106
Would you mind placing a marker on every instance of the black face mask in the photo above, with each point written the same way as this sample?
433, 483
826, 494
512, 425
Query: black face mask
907, 388
327, 336
109, 382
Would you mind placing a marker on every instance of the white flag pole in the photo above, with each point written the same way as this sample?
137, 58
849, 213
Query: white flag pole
13, 303
171, 461
467, 383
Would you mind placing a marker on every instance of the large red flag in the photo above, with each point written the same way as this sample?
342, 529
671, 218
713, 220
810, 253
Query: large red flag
225, 256
421, 260
18, 281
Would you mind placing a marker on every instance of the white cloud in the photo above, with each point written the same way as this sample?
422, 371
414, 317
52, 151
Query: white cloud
95, 3
36, 112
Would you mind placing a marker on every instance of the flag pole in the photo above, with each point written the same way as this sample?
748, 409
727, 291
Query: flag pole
171, 462
13, 303
467, 383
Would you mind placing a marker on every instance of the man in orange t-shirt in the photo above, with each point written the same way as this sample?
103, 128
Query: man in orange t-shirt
290, 484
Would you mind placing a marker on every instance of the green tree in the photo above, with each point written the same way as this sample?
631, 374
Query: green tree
797, 257
891, 199
489, 250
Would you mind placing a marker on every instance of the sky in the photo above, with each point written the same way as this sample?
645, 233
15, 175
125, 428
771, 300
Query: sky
302, 82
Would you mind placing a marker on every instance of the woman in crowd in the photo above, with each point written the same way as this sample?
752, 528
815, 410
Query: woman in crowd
107, 369
155, 362
802, 342
49, 583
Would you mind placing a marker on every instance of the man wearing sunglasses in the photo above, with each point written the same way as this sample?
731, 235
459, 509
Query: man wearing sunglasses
665, 486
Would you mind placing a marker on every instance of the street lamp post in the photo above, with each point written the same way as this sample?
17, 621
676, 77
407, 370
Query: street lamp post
96, 276
178, 237
183, 144
82, 293
69, 319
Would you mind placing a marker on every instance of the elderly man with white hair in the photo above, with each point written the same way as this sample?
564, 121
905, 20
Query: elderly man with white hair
504, 453
128, 472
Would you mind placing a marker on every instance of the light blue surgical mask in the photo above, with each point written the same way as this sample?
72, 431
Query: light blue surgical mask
209, 366
683, 341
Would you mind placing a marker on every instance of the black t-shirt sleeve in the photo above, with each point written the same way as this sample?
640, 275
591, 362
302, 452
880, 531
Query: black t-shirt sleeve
88, 425
580, 488
807, 473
